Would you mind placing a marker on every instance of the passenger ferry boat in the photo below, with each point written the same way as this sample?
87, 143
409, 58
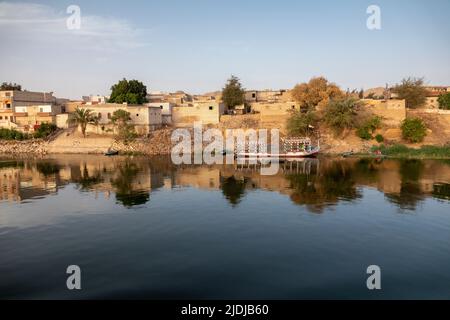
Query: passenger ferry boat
290, 148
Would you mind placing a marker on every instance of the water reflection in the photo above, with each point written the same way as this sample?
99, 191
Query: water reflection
315, 184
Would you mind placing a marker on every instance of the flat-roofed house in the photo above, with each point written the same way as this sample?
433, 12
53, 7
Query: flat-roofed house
207, 112
144, 118
166, 110
25, 110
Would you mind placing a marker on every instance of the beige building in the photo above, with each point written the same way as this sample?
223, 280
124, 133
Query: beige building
95, 99
166, 110
268, 96
144, 118
208, 112
25, 110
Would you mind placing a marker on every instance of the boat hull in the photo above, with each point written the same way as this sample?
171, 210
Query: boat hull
300, 154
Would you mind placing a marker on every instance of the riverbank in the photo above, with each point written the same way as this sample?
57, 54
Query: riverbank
423, 152
159, 143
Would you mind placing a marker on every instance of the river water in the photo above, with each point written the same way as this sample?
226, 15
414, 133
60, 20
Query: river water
145, 228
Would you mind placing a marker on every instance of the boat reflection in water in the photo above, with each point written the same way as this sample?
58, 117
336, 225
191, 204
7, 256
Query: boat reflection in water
314, 183
145, 228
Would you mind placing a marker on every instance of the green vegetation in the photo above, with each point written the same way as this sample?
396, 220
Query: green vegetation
82, 117
412, 90
339, 114
368, 127
444, 101
301, 123
10, 86
413, 130
379, 138
120, 119
233, 94
317, 93
425, 152
44, 130
11, 134
363, 133
132, 92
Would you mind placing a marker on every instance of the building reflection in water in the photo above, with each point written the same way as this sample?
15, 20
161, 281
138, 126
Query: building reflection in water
313, 183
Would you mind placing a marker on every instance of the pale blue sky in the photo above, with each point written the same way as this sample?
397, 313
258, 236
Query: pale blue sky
194, 45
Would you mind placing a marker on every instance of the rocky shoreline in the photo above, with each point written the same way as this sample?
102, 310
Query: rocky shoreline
158, 143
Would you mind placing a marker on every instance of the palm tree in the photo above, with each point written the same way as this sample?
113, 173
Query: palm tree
82, 117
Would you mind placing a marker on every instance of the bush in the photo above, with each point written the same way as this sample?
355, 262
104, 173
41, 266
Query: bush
413, 130
44, 130
363, 133
374, 123
11, 134
444, 101
379, 138
368, 128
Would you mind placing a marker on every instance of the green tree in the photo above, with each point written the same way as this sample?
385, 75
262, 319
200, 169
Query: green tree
121, 118
132, 92
300, 123
82, 117
444, 101
316, 93
10, 86
339, 114
413, 91
413, 130
233, 94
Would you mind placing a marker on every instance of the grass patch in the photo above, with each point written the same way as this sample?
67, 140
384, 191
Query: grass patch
424, 152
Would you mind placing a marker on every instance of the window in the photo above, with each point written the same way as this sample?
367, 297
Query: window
109, 115
211, 107
1, 118
137, 114
41, 109
253, 95
11, 118
8, 106
293, 107
7, 94
99, 115
161, 107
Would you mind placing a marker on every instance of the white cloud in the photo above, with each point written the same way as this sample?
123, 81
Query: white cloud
30, 22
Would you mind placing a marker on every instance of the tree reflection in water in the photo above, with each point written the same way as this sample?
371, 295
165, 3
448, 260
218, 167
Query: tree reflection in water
315, 184
85, 181
123, 183
411, 193
233, 189
333, 183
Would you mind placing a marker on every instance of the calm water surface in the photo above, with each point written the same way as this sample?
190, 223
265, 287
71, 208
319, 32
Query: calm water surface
144, 228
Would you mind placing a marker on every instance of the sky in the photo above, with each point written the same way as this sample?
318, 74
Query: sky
195, 45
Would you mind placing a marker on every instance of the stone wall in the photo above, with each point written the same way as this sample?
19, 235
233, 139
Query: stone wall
207, 113
392, 111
